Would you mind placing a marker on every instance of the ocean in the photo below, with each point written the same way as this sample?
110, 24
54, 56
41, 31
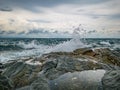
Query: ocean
22, 48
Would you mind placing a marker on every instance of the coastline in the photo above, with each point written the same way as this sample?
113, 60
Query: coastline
43, 73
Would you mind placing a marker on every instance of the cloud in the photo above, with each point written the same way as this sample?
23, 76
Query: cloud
55, 18
2, 32
11, 32
39, 21
32, 4
6, 9
36, 31
21, 33
93, 31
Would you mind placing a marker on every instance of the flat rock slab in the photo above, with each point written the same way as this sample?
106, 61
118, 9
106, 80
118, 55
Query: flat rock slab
85, 80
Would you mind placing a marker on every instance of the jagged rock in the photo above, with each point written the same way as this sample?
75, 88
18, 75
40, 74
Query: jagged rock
22, 74
107, 56
85, 80
84, 51
58, 66
55, 65
40, 84
111, 80
5, 83
1, 68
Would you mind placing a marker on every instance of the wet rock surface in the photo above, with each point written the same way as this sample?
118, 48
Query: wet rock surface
111, 80
22, 74
5, 83
64, 71
85, 80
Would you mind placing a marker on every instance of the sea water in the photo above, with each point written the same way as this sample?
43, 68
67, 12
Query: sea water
21, 48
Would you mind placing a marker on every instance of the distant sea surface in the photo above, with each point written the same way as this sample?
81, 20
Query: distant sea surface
19, 48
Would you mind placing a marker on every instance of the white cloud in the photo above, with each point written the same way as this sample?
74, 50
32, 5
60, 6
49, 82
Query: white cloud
63, 17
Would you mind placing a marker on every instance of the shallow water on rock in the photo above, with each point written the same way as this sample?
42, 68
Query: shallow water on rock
85, 80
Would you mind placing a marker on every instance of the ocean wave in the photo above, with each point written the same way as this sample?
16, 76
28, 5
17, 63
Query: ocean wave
10, 47
107, 43
19, 49
68, 46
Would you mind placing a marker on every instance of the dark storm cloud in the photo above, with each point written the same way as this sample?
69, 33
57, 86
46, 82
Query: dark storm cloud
93, 31
30, 4
20, 33
6, 9
11, 32
2, 32
108, 16
37, 31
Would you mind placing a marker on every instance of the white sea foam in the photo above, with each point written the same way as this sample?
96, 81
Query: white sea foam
68, 46
105, 43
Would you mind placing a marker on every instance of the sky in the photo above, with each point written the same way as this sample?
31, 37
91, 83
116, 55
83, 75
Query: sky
60, 18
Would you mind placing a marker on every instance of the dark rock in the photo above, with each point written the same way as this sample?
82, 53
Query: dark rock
107, 56
22, 74
24, 88
40, 84
111, 80
85, 51
1, 66
5, 83
58, 66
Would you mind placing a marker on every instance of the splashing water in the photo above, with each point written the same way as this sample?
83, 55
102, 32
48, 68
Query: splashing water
13, 49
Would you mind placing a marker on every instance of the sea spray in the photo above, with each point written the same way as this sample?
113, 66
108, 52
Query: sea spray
74, 43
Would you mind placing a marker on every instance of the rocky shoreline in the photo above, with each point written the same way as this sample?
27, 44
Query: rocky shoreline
82, 69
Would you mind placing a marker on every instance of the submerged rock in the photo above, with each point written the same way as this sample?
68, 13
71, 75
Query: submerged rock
111, 80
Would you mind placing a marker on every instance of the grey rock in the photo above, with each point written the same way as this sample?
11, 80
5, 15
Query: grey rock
24, 88
111, 80
5, 83
40, 84
22, 74
58, 66
85, 80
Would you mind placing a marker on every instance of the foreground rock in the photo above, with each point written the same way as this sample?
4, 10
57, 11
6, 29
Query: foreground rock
81, 69
85, 80
111, 80
22, 74
5, 83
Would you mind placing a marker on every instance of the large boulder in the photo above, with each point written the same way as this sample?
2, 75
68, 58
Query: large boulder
85, 80
55, 67
111, 80
108, 56
22, 74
